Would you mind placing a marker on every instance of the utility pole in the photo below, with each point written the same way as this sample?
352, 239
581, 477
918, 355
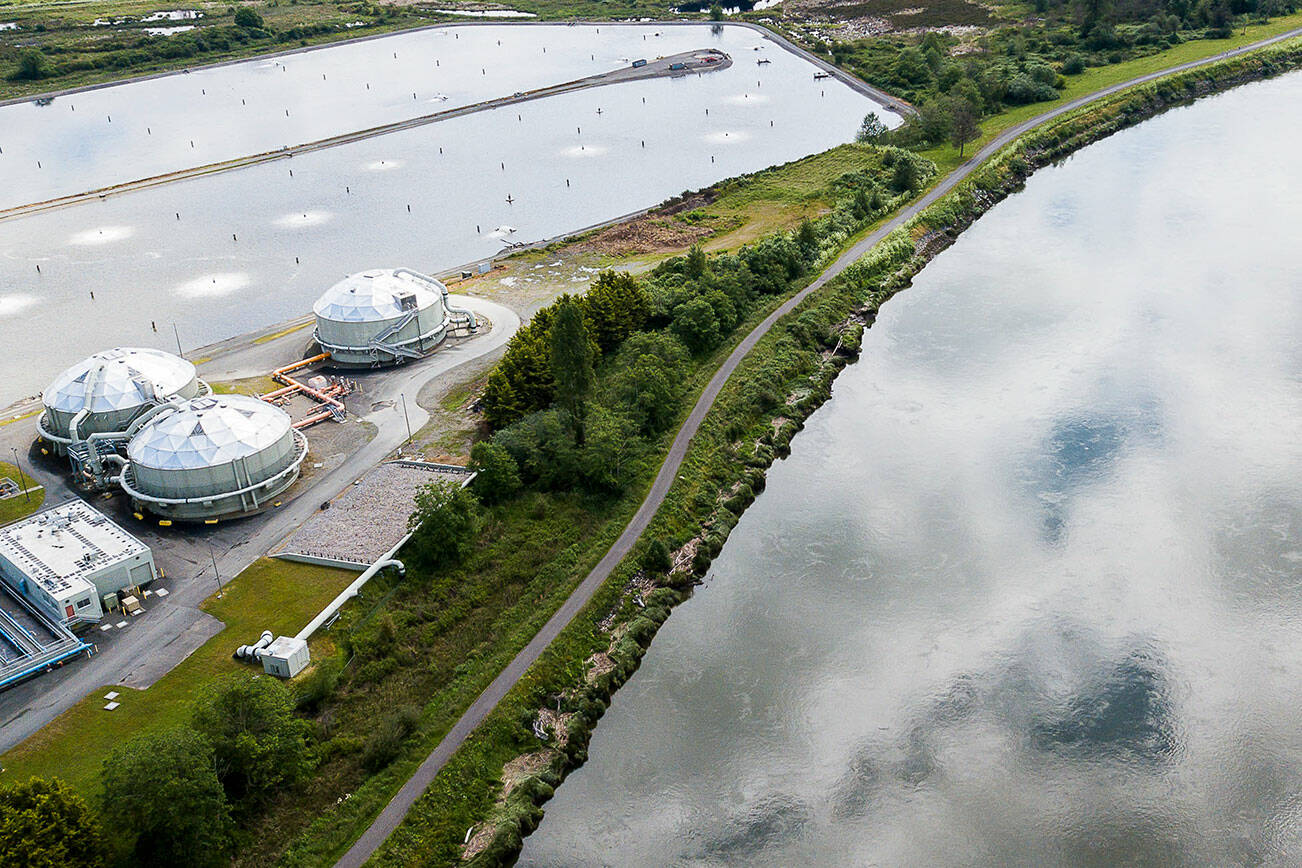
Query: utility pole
213, 555
177, 332
403, 396
27, 495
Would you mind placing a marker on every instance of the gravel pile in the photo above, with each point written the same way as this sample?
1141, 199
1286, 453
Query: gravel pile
369, 518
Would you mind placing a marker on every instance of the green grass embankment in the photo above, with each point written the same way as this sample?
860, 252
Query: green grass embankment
20, 505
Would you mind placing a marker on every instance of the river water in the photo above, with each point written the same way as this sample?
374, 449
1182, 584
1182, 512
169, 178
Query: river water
229, 253
1029, 589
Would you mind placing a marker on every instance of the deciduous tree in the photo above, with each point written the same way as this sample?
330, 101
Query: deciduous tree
162, 788
258, 743
443, 525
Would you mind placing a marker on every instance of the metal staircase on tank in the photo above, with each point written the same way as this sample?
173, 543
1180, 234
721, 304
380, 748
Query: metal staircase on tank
380, 341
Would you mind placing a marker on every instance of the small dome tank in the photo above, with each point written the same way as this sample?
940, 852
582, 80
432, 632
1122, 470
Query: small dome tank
381, 317
113, 387
211, 457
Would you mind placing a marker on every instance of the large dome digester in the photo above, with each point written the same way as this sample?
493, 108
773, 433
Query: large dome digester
213, 456
384, 317
106, 392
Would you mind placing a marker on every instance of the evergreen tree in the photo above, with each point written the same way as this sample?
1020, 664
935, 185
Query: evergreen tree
571, 364
615, 306
46, 824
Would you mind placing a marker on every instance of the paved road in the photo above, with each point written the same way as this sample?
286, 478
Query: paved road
174, 628
401, 803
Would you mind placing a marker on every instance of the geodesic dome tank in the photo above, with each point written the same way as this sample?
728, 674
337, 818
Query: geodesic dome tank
215, 456
113, 387
381, 317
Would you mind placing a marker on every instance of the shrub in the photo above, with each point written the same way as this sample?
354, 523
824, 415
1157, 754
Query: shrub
656, 557
258, 744
443, 525
247, 18
318, 685
385, 741
32, 65
498, 473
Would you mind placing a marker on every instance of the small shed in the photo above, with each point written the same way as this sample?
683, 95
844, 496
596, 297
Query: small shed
285, 657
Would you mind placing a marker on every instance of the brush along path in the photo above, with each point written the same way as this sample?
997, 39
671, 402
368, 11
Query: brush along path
683, 63
397, 809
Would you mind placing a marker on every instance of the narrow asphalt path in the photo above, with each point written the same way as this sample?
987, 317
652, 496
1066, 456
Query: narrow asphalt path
397, 809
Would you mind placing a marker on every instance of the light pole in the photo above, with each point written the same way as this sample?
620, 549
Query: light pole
177, 332
403, 396
218, 575
22, 479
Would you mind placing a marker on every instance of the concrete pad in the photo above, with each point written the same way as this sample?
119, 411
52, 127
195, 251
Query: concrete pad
111, 706
105, 627
162, 592
111, 695
120, 624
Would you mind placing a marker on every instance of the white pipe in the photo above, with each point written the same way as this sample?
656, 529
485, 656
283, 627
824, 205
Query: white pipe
352, 590
254, 651
467, 314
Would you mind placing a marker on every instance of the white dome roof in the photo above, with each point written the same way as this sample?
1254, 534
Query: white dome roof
130, 378
372, 296
208, 431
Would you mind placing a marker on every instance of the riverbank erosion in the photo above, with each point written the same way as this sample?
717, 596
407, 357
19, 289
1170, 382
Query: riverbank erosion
786, 377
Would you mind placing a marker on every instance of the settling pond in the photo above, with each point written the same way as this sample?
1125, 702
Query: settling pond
257, 245
1029, 589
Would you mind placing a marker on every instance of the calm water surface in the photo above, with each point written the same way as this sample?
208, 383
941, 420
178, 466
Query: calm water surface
1029, 589
85, 141
226, 254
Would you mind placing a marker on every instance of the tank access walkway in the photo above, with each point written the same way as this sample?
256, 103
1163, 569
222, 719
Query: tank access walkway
30, 641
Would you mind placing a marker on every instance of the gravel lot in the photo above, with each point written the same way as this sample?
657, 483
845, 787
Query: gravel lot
367, 519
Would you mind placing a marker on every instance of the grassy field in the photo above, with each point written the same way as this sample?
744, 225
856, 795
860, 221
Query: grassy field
21, 506
270, 595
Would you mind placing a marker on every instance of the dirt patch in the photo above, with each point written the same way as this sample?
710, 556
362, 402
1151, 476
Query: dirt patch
778, 422
523, 767
557, 723
599, 664
644, 235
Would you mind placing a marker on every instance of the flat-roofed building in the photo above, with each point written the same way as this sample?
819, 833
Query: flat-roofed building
65, 558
